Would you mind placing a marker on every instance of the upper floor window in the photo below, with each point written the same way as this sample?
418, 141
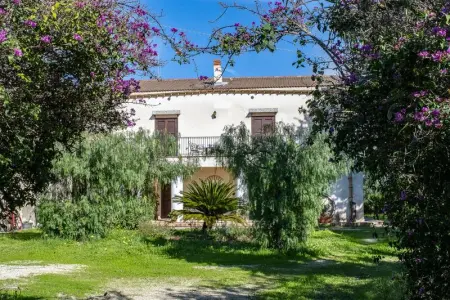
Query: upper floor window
262, 125
167, 125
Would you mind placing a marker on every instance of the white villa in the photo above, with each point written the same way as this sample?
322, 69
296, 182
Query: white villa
196, 112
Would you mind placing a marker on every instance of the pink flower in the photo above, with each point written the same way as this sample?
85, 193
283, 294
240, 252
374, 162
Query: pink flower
16, 2
2, 11
80, 4
424, 54
140, 12
30, 23
3, 36
438, 31
46, 39
174, 30
18, 52
77, 37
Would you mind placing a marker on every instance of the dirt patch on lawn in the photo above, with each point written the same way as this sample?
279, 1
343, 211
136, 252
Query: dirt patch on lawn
27, 269
176, 288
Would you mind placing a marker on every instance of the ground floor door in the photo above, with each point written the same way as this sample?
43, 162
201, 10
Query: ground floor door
166, 201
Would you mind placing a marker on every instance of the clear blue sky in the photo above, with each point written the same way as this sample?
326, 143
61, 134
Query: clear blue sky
194, 17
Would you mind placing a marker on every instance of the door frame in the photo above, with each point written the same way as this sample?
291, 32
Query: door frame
165, 201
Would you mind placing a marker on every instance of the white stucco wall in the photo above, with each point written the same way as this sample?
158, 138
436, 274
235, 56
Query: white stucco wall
340, 194
196, 110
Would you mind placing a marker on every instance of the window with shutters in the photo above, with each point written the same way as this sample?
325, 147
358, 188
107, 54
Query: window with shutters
262, 125
167, 126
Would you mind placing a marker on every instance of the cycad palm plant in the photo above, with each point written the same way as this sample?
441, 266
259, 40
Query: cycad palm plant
209, 200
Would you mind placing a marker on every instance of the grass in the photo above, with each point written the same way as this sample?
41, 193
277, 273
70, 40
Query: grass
335, 264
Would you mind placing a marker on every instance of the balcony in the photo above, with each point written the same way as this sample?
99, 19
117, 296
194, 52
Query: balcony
196, 146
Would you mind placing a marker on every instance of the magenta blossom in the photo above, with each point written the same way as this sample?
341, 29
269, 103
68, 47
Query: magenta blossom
18, 52
399, 117
419, 116
2, 11
80, 4
419, 94
424, 54
30, 23
3, 36
438, 31
77, 37
46, 39
174, 30
17, 2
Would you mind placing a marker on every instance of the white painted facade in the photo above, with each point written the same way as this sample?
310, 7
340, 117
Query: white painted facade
195, 111
195, 119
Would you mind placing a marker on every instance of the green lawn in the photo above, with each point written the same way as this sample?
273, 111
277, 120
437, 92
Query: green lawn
336, 264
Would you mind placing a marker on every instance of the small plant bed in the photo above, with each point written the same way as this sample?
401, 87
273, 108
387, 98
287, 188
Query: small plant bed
164, 263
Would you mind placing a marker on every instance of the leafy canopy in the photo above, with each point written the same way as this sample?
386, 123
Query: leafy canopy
66, 67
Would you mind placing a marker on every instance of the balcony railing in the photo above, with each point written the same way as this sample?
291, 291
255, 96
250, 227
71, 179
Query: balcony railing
197, 146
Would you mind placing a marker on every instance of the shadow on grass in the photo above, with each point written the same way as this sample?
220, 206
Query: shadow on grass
25, 235
344, 281
332, 280
13, 296
201, 249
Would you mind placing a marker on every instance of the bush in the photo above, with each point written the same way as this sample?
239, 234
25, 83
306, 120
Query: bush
153, 231
285, 176
108, 182
70, 220
233, 234
85, 217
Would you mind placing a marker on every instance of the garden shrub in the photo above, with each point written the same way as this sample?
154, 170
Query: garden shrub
150, 230
108, 182
233, 234
286, 177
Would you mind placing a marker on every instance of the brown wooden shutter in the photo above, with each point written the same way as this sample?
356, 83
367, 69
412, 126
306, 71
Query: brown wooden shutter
257, 124
171, 126
168, 125
268, 124
263, 124
160, 125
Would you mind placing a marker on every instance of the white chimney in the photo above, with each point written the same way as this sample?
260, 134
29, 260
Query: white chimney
217, 71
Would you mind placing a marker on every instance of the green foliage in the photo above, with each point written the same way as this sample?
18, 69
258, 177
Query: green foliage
391, 115
152, 231
233, 234
286, 178
107, 182
64, 69
210, 201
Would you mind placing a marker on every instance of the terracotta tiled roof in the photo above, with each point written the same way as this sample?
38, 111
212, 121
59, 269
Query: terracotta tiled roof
244, 83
